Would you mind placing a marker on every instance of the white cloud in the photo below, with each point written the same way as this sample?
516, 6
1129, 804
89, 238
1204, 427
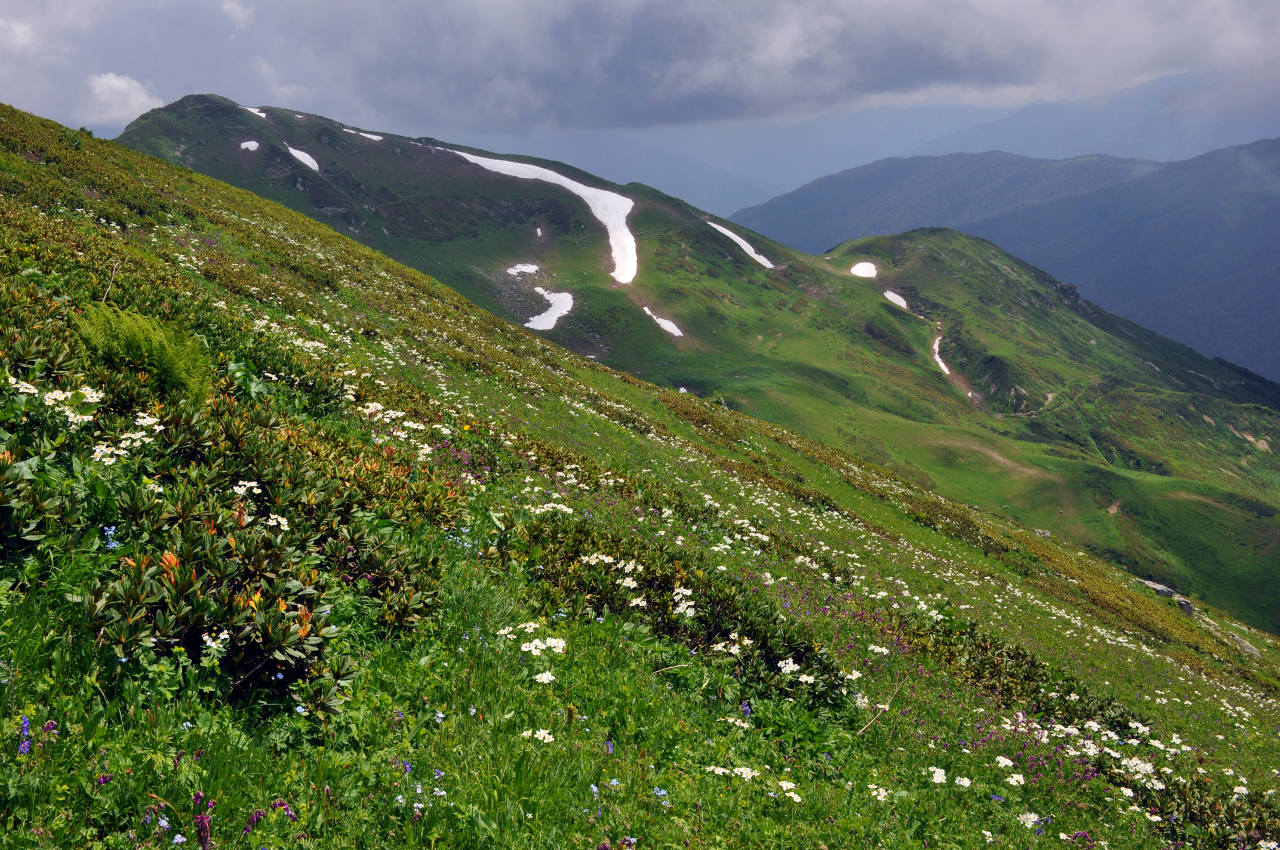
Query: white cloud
284, 93
117, 99
16, 36
239, 12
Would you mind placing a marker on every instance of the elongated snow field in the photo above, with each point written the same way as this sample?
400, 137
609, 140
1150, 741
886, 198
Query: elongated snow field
609, 207
666, 324
743, 244
305, 158
938, 357
561, 303
896, 298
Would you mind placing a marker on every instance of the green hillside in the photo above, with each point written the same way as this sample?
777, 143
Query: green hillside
1102, 433
1183, 248
302, 549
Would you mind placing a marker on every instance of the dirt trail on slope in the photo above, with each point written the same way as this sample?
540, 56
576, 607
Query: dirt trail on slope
992, 454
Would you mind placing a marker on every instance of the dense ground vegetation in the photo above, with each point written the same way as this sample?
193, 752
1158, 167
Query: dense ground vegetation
301, 549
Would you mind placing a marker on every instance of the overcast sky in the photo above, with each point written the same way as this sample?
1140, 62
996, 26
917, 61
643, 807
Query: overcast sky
456, 68
486, 64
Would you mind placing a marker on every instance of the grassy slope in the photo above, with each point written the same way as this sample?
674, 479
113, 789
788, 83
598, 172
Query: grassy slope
807, 346
812, 555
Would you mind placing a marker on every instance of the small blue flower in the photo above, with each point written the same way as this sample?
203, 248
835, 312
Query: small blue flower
595, 792
300, 709
659, 792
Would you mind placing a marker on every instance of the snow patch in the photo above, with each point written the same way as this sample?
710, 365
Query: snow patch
522, 268
561, 303
937, 358
666, 324
250, 145
373, 136
305, 158
348, 130
863, 269
255, 111
539, 229
609, 207
896, 299
743, 244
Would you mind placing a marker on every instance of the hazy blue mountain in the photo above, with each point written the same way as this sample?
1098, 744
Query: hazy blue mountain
898, 194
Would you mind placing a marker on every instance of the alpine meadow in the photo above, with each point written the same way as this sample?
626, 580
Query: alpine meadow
901, 545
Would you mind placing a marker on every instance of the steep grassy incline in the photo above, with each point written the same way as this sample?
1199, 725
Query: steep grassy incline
1103, 433
300, 548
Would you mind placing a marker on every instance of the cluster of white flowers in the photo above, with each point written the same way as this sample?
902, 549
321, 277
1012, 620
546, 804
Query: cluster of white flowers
538, 645
937, 774
787, 666
734, 645
736, 721
277, 521
880, 794
538, 510
788, 790
683, 604
147, 427
545, 678
543, 735
246, 488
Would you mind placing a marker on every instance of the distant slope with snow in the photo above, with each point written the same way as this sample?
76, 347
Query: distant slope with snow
1186, 248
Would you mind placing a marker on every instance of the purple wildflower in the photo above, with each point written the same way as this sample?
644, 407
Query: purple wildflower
258, 814
204, 830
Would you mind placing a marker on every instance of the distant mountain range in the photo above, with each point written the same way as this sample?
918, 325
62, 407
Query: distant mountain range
932, 353
1187, 248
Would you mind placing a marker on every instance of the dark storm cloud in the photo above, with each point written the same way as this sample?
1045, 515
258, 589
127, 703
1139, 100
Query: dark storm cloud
507, 63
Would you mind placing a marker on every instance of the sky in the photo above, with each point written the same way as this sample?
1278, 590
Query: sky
658, 77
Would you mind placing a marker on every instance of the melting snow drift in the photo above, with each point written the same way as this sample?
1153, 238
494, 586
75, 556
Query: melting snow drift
250, 145
257, 112
376, 138
305, 158
938, 357
666, 324
896, 299
743, 244
561, 304
609, 207
863, 269
522, 268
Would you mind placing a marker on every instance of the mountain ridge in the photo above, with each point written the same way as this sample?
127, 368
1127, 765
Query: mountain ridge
1196, 226
1036, 376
